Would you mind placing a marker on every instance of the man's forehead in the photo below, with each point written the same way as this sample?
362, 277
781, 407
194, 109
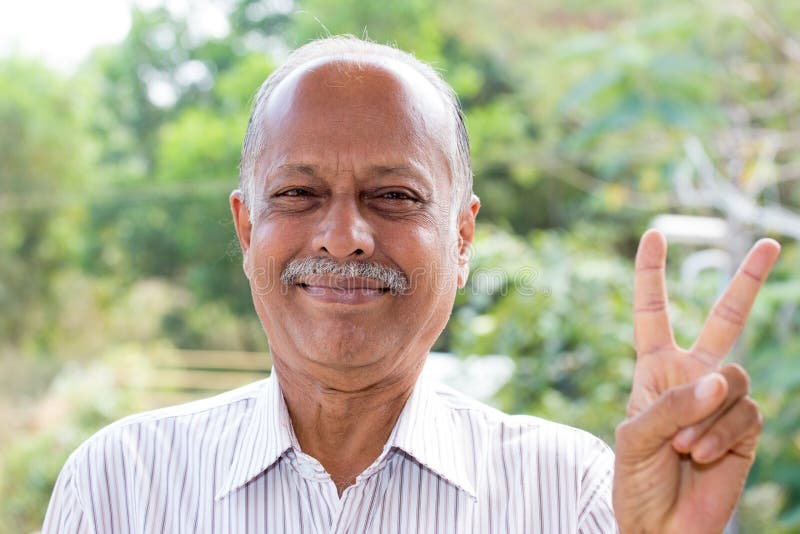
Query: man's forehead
371, 79
333, 110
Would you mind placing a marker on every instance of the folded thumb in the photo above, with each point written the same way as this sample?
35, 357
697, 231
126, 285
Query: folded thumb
676, 408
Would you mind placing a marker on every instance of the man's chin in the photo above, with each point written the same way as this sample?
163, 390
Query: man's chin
340, 354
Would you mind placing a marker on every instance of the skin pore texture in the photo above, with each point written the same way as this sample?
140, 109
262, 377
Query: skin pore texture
354, 170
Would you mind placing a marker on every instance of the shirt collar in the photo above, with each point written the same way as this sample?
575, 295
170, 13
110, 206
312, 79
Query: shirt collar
425, 430
267, 435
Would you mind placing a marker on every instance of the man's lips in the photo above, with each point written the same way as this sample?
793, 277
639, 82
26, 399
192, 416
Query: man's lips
341, 283
339, 290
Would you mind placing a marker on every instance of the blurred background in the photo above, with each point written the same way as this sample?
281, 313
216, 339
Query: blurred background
120, 276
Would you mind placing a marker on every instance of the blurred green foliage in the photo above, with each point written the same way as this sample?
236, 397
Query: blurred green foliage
115, 228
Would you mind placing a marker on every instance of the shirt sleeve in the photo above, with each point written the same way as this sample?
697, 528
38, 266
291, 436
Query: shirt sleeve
66, 513
596, 510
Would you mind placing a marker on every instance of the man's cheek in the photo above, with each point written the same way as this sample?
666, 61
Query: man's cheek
264, 276
437, 278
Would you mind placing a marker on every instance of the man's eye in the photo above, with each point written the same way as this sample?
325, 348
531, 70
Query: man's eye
295, 192
396, 195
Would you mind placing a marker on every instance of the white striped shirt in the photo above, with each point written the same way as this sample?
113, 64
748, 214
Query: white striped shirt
232, 464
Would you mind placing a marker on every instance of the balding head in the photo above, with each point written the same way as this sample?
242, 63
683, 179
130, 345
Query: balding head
352, 54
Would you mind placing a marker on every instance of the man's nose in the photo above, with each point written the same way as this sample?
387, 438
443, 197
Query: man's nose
344, 233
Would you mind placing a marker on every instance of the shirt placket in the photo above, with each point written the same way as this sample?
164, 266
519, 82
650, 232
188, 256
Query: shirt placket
367, 492
321, 506
341, 511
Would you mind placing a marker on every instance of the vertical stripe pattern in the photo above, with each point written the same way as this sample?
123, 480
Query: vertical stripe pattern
232, 464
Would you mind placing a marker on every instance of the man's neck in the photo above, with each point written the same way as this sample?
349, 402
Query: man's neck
343, 428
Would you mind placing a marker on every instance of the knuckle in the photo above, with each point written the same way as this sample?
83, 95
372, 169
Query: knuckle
738, 373
671, 401
754, 414
722, 434
622, 431
729, 313
652, 303
748, 419
703, 356
746, 380
759, 422
750, 406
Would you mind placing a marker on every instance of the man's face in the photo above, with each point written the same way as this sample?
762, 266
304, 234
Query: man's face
354, 171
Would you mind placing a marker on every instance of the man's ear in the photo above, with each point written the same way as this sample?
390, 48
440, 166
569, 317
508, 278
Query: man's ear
466, 233
241, 220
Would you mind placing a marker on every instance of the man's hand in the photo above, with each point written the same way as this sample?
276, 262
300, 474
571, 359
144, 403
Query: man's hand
684, 451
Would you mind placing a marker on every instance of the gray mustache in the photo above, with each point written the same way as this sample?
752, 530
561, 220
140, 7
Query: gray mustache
394, 280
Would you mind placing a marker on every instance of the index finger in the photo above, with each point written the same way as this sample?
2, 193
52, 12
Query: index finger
727, 317
651, 327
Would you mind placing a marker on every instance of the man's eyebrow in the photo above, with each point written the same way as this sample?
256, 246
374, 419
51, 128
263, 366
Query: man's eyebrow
297, 168
390, 169
384, 170
410, 171
313, 171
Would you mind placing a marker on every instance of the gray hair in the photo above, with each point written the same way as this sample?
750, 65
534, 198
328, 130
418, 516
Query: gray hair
351, 48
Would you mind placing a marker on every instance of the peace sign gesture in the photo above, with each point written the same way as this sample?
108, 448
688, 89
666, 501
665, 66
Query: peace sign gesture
684, 451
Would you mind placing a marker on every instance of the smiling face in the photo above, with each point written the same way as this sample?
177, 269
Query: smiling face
352, 255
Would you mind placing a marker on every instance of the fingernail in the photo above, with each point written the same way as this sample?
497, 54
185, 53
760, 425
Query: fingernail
707, 386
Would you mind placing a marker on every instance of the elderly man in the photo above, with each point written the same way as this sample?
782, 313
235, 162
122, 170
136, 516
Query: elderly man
355, 216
